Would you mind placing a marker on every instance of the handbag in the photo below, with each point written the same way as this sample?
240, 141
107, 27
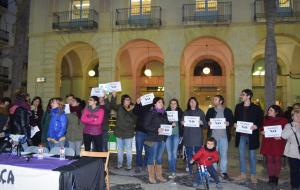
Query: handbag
296, 137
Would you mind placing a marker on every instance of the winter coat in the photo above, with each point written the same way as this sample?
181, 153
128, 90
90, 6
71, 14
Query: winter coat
45, 125
255, 115
291, 146
153, 120
211, 113
92, 120
271, 146
205, 157
75, 128
141, 112
180, 115
20, 122
58, 124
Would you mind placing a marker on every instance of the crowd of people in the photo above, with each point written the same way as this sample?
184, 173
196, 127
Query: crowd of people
88, 124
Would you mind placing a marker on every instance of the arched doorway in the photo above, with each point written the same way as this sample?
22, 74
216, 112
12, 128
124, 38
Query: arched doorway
74, 62
206, 70
140, 68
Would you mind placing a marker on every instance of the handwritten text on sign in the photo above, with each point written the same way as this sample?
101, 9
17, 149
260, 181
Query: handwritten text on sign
191, 121
97, 92
273, 131
147, 99
167, 130
172, 115
244, 127
217, 123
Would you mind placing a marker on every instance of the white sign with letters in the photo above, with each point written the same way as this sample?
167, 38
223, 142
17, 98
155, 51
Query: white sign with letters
217, 123
191, 121
172, 115
97, 92
273, 131
244, 127
167, 130
147, 99
114, 87
67, 109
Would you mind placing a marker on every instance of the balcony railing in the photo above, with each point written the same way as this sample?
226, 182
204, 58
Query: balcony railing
207, 13
141, 17
209, 80
4, 3
285, 13
4, 36
150, 81
81, 19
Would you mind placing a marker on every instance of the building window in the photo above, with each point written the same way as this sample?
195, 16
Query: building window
284, 3
80, 9
140, 7
258, 68
206, 5
207, 68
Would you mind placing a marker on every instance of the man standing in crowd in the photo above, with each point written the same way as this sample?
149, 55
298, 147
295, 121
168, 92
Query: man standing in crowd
246, 111
222, 136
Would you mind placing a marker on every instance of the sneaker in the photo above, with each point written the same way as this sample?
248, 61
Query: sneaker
172, 176
219, 186
118, 167
225, 176
128, 168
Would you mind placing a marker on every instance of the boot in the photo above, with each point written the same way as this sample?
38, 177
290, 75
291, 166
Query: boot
271, 179
275, 181
151, 174
241, 178
253, 179
158, 172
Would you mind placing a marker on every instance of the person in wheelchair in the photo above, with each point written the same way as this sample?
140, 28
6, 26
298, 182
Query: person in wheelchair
207, 156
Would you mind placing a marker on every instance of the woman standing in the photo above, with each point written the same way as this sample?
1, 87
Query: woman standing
35, 119
45, 124
272, 148
92, 118
154, 142
124, 130
193, 136
58, 124
173, 140
291, 133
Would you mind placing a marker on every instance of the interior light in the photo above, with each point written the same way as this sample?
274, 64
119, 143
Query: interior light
148, 72
91, 73
206, 70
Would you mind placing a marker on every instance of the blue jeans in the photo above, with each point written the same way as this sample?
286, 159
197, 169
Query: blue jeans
172, 146
127, 145
139, 143
190, 151
59, 144
244, 140
212, 172
222, 148
75, 145
155, 153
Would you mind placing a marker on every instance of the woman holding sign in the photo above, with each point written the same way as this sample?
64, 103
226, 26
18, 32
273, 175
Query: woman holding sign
272, 144
194, 122
155, 141
291, 133
174, 113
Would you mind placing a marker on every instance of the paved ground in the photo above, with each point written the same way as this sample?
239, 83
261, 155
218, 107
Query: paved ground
124, 180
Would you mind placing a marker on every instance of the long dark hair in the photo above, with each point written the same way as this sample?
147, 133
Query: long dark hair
123, 98
40, 106
173, 100
188, 103
277, 109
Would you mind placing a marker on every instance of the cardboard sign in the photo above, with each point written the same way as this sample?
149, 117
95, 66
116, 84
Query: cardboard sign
147, 99
217, 123
67, 109
273, 131
191, 121
167, 130
244, 127
97, 92
114, 87
172, 115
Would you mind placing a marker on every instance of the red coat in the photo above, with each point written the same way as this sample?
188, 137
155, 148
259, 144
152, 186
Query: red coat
201, 157
271, 146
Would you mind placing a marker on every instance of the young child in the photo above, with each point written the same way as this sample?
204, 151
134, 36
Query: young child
208, 155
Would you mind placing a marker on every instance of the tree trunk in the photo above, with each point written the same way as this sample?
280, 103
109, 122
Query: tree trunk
270, 53
19, 53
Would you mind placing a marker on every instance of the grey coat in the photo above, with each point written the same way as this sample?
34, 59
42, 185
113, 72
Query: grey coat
193, 136
291, 146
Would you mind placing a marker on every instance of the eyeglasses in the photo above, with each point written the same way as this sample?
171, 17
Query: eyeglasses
243, 94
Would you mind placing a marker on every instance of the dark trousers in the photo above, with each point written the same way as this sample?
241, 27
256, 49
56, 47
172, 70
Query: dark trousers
212, 172
105, 138
294, 172
95, 139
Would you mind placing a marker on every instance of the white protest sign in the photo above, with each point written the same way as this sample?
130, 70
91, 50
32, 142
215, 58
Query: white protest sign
273, 131
33, 131
244, 127
67, 109
172, 115
147, 99
167, 130
103, 87
217, 123
114, 87
191, 121
97, 92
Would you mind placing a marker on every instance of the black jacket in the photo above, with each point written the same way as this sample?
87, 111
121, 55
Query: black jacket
211, 113
255, 115
153, 121
20, 122
141, 112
